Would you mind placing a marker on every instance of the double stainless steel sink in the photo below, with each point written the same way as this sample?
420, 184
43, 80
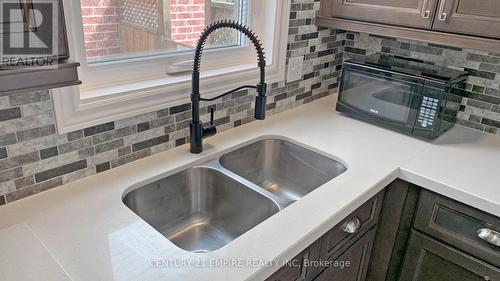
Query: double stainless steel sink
204, 207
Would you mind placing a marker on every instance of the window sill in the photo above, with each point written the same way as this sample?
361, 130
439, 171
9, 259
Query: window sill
160, 83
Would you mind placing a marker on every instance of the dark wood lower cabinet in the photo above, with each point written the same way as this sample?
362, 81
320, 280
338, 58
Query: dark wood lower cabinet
341, 254
299, 268
423, 236
393, 231
352, 265
429, 260
349, 264
457, 225
337, 238
405, 233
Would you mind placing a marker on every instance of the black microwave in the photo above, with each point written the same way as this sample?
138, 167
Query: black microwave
407, 95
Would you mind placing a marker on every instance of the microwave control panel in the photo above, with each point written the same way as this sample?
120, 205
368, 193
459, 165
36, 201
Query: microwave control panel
428, 112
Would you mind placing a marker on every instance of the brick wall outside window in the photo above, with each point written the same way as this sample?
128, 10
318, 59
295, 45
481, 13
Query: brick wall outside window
101, 20
187, 20
100, 26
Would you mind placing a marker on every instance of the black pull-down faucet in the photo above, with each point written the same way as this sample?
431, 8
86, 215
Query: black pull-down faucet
200, 130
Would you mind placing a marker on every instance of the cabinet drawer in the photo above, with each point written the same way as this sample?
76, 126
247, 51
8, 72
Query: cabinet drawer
337, 237
358, 256
429, 260
457, 224
298, 268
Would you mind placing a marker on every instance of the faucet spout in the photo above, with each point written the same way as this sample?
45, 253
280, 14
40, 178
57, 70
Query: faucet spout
199, 130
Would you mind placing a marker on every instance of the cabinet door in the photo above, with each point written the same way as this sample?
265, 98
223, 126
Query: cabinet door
410, 13
393, 231
457, 225
299, 268
429, 260
473, 17
352, 265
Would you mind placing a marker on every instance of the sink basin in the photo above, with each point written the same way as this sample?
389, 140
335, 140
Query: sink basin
200, 209
285, 169
205, 207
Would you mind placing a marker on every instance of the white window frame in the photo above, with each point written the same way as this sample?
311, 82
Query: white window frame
99, 101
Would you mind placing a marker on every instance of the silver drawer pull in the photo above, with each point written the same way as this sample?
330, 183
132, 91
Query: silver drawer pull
425, 13
490, 236
442, 14
352, 226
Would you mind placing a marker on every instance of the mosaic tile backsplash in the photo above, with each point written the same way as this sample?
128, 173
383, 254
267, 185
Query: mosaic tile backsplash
481, 107
34, 158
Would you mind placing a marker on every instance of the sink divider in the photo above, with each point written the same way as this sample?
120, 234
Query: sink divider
216, 165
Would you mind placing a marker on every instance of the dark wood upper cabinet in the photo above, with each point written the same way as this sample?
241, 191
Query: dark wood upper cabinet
472, 17
410, 13
25, 68
468, 24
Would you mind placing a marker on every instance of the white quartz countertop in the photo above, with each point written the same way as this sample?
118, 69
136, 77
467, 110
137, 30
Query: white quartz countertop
23, 257
92, 235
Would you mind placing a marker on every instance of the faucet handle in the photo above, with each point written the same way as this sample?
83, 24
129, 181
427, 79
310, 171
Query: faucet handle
212, 109
209, 129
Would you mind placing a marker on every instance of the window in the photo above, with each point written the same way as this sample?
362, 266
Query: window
124, 29
136, 55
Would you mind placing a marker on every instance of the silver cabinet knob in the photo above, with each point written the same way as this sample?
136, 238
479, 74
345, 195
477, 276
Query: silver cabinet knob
352, 226
490, 236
